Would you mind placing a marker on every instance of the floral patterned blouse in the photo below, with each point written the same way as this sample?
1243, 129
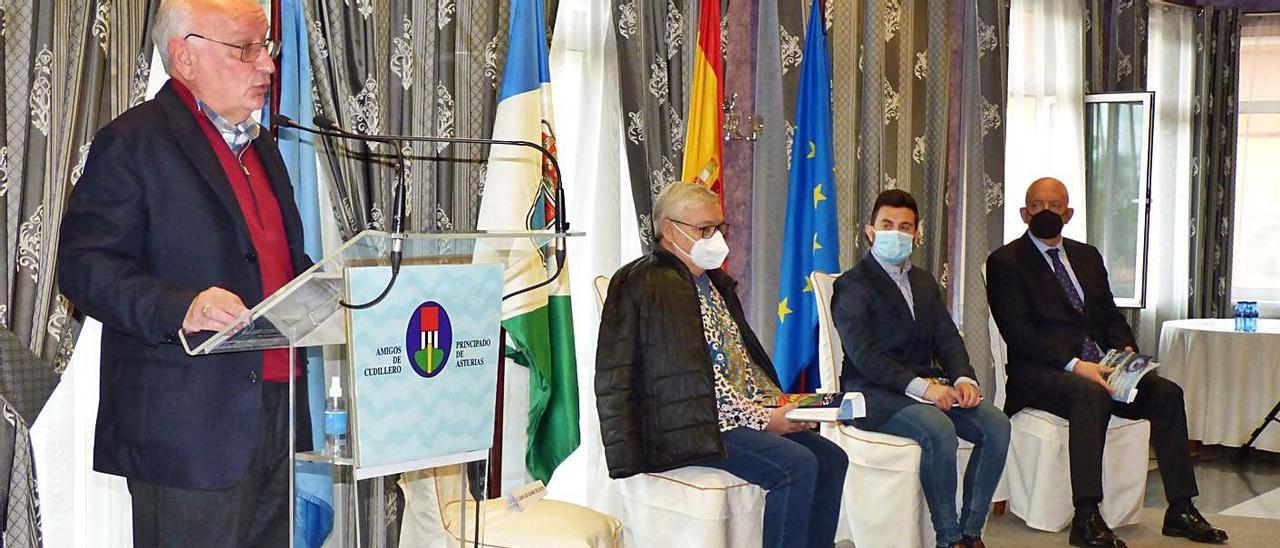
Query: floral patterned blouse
740, 382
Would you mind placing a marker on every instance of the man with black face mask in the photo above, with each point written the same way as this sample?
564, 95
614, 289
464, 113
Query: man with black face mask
1053, 304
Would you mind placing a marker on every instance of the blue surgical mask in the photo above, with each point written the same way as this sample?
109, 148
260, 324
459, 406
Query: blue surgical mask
892, 246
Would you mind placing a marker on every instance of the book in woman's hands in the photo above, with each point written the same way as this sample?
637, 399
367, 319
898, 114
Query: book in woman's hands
1127, 369
821, 407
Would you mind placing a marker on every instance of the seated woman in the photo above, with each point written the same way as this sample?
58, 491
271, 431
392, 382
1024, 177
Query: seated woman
679, 377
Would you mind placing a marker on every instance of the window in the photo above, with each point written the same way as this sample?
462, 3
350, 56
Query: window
1255, 269
1117, 144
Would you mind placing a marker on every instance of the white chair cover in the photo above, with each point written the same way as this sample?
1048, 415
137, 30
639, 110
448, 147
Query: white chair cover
690, 506
882, 491
1038, 470
431, 518
882, 488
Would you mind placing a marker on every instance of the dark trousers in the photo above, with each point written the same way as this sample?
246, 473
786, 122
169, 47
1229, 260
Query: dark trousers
254, 512
803, 474
1089, 407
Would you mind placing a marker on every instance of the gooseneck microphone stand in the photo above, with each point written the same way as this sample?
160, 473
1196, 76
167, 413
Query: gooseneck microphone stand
326, 127
329, 129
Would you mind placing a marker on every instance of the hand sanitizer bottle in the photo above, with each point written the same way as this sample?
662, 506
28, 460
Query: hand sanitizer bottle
335, 421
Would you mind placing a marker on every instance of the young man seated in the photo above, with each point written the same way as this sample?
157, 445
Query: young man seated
903, 352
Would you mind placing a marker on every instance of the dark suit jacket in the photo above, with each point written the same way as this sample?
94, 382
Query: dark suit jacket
1043, 331
153, 222
884, 348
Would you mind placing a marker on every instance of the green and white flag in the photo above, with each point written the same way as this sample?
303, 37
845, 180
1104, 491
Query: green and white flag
519, 194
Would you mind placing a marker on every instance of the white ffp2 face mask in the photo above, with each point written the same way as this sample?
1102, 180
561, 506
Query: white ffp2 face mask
708, 253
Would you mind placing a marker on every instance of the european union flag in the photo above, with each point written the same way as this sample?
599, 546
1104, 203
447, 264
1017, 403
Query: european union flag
811, 242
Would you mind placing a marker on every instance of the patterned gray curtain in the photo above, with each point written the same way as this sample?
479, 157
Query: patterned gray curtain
1115, 44
656, 39
981, 79
901, 50
413, 68
1213, 150
70, 66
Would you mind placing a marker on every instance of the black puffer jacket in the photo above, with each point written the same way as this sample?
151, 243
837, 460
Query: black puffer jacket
655, 387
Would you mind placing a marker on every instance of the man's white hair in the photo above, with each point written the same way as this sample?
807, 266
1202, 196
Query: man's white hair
675, 198
173, 19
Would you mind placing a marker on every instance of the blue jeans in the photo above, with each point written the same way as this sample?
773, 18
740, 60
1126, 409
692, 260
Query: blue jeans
803, 474
984, 426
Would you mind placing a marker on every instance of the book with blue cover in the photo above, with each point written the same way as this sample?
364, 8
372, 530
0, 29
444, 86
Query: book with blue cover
1127, 368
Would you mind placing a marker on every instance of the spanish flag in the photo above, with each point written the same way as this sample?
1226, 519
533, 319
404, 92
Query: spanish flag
703, 143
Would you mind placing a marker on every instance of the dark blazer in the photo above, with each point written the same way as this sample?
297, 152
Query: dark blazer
153, 222
655, 386
1043, 331
884, 347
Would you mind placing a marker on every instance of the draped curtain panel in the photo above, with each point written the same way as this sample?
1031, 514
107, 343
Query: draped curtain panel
1213, 148
70, 66
739, 175
977, 219
1115, 43
899, 96
415, 68
779, 38
656, 40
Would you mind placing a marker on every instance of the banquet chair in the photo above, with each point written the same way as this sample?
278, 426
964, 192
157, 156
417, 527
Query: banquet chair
434, 501
882, 488
688, 506
1033, 475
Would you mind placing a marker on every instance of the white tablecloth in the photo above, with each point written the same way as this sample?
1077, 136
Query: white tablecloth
1231, 380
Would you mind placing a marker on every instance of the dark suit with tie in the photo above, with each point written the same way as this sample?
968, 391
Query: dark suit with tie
888, 343
1045, 330
152, 223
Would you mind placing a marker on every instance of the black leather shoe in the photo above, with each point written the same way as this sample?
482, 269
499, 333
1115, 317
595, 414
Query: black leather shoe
1090, 530
1188, 523
972, 542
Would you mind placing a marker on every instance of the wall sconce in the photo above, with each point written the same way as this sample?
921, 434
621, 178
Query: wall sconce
736, 122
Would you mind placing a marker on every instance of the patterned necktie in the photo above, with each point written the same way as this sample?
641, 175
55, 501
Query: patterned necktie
1089, 350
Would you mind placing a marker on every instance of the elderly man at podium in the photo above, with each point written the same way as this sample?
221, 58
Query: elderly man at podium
679, 374
183, 217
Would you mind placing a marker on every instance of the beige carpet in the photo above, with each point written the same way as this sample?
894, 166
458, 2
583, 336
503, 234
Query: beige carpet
1009, 531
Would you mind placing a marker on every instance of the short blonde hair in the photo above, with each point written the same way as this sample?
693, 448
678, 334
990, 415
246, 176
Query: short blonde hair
674, 199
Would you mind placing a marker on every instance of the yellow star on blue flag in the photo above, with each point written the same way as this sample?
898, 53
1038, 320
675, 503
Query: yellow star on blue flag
810, 242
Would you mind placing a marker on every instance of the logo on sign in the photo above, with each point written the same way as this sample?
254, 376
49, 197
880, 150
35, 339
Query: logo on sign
429, 339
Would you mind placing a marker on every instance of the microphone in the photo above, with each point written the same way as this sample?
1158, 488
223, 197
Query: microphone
330, 129
323, 122
561, 226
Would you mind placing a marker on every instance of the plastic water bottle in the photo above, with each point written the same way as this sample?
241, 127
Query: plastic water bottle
1251, 317
1242, 312
335, 421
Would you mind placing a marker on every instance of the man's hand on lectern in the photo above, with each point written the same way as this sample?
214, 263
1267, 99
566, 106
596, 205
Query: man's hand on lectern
213, 310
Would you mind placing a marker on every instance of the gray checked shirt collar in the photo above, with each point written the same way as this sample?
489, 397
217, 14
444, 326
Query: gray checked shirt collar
237, 136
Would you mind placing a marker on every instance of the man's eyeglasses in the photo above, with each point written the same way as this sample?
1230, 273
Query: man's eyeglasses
706, 231
248, 52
